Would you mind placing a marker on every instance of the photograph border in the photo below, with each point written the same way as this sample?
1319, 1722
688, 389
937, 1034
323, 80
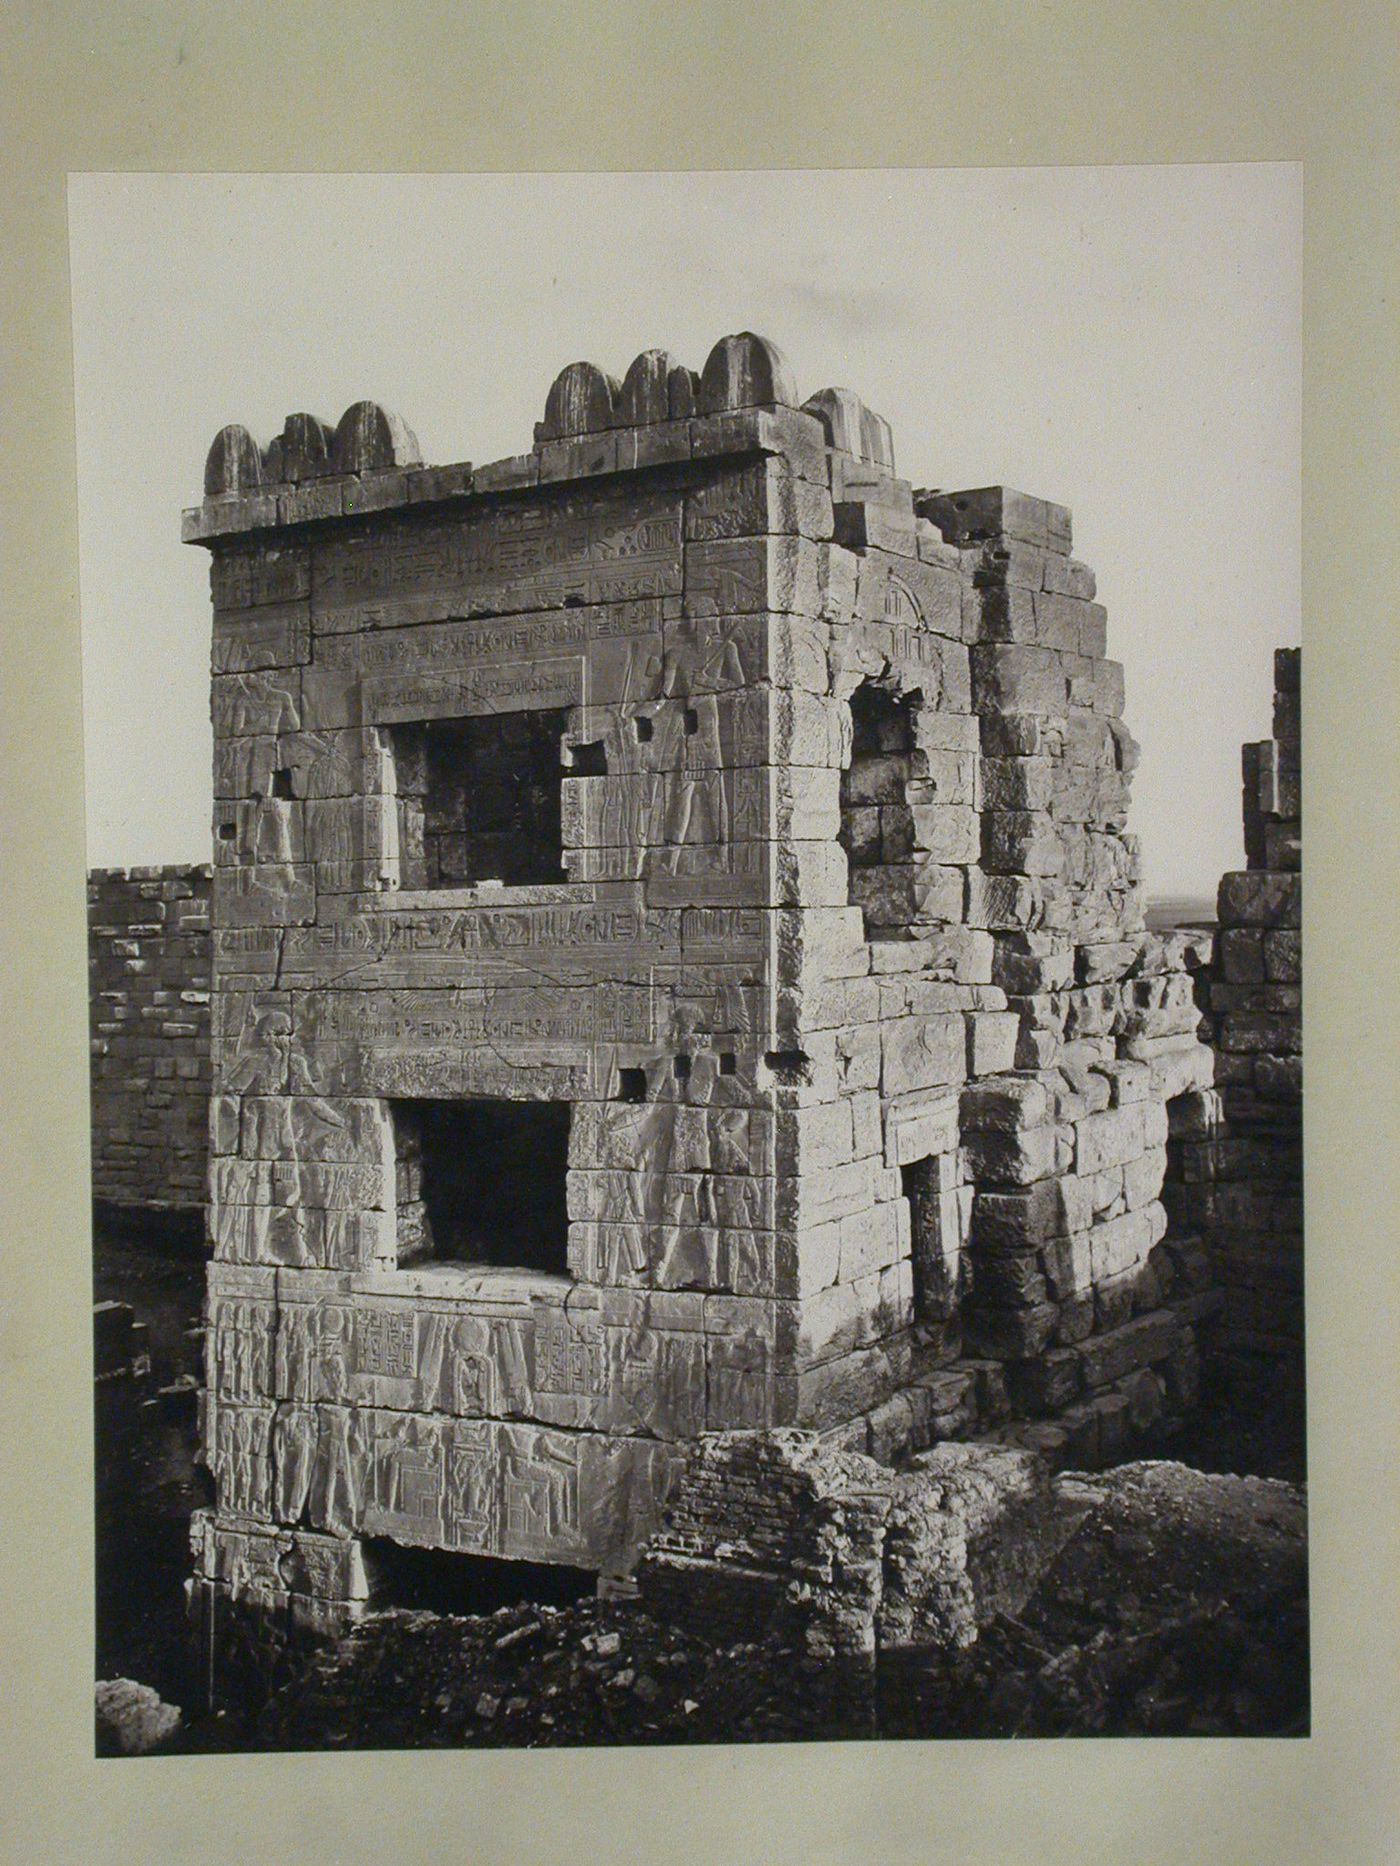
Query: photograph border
212, 87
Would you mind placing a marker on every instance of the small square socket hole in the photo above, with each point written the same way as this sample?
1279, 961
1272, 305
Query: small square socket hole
589, 760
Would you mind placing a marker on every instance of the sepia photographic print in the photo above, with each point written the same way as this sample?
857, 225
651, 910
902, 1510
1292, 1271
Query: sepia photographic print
694, 915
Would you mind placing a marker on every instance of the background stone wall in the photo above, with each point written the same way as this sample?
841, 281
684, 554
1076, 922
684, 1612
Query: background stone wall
148, 959
1244, 1189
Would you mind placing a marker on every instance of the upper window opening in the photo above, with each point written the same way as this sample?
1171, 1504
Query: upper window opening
479, 800
876, 824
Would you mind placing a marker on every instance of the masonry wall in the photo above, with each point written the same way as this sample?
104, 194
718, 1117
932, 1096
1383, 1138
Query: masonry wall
1034, 1038
1244, 1187
148, 961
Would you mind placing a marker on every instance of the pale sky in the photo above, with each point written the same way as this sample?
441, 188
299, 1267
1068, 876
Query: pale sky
1124, 341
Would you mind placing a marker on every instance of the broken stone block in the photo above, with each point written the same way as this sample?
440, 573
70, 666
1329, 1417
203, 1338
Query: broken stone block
131, 1719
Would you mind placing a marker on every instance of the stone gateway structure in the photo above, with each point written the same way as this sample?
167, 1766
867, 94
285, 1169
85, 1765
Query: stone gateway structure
678, 966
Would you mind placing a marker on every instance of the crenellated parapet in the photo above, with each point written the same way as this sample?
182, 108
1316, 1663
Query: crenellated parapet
660, 413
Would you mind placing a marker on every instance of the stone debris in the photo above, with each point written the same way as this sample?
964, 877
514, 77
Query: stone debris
1171, 1603
841, 1557
131, 1718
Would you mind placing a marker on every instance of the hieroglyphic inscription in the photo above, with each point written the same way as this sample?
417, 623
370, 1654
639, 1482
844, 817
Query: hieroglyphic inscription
539, 554
243, 579
605, 654
545, 1015
568, 1359
486, 945
511, 687
385, 1343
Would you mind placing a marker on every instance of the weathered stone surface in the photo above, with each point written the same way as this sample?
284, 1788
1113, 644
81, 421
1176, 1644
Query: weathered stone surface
841, 1556
1238, 1175
304, 449
582, 400
233, 466
745, 372
149, 971
370, 440
131, 1719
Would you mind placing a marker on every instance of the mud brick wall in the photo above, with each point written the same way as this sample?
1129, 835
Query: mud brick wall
678, 967
148, 961
1245, 1186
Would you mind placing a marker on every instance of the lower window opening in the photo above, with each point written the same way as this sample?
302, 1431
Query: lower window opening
483, 1182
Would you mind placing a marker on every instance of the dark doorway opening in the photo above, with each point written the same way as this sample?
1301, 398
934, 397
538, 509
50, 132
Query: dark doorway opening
876, 824
483, 1182
480, 800
931, 1187
438, 1581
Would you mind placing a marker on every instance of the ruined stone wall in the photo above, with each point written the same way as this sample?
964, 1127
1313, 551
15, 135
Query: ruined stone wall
835, 1555
148, 964
678, 966
1032, 1035
1243, 1187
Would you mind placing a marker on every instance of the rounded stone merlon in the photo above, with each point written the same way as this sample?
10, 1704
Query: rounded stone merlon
646, 394
746, 371
841, 413
368, 439
581, 400
233, 464
682, 392
301, 451
876, 440
853, 428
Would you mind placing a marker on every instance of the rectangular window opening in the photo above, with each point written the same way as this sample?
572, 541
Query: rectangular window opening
482, 1182
479, 799
877, 827
931, 1187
